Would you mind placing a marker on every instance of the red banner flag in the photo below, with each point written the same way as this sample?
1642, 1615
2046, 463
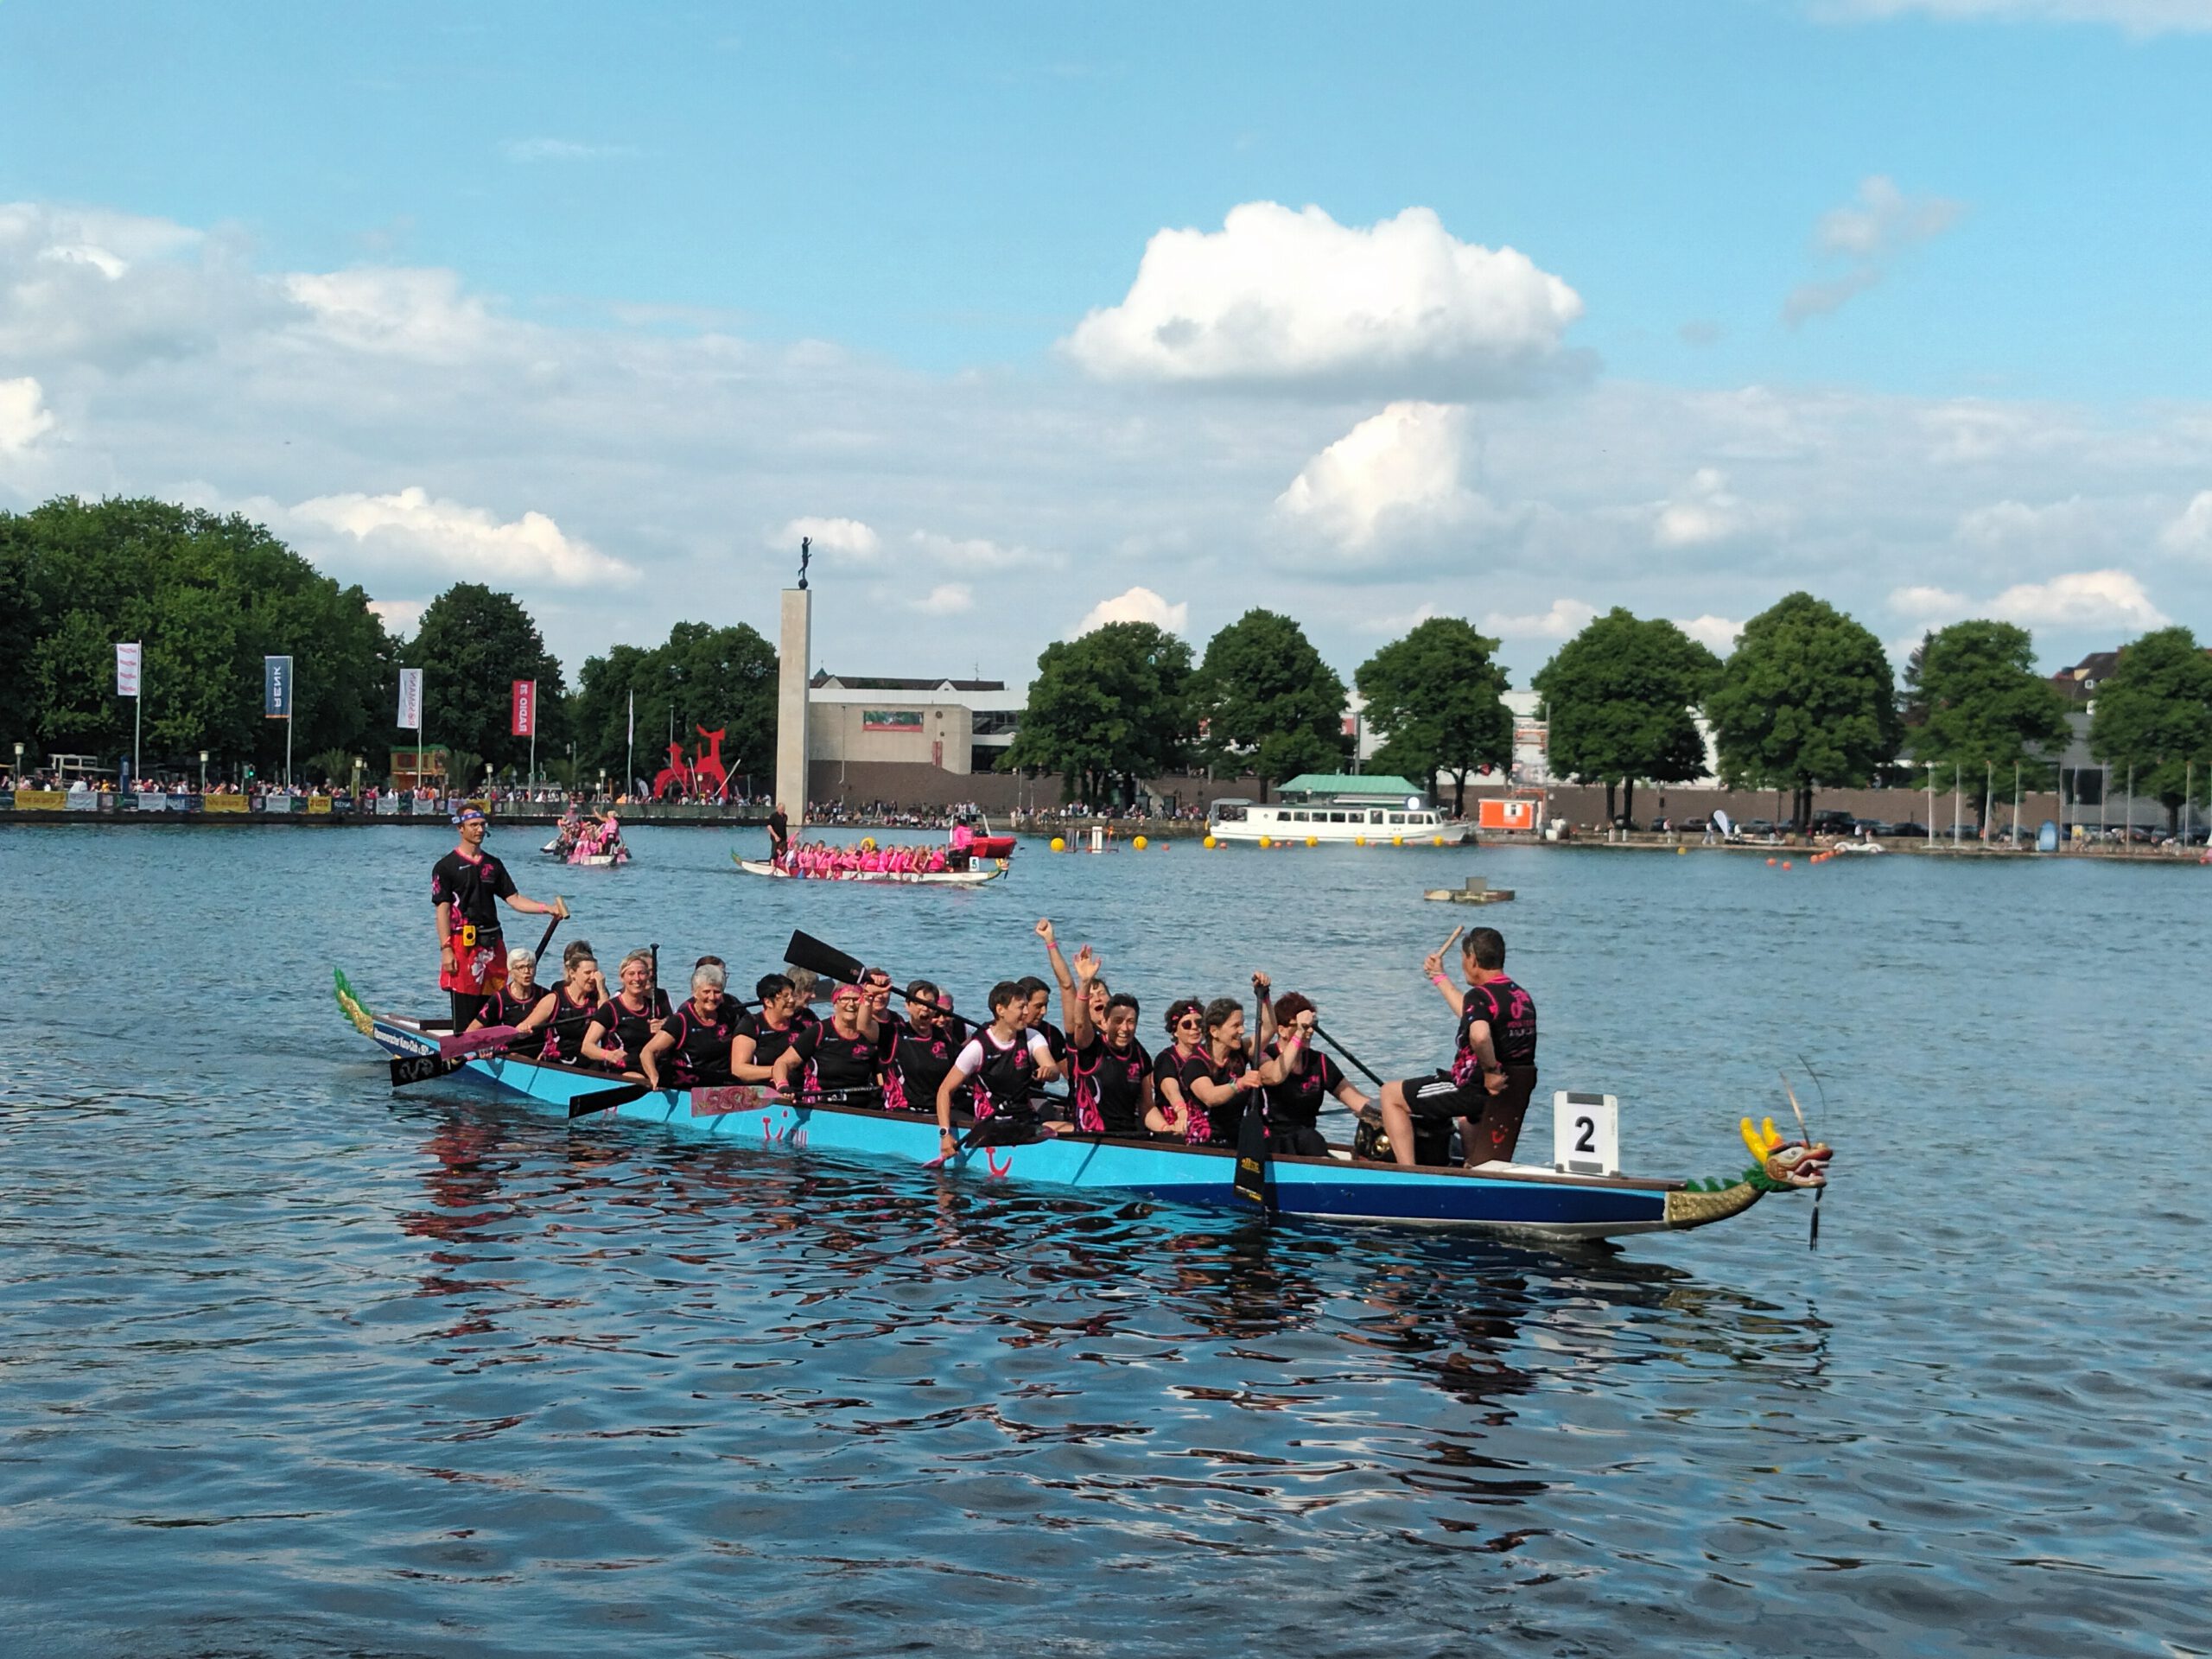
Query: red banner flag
525, 719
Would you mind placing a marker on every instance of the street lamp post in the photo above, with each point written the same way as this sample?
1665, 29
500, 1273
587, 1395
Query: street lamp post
19, 765
203, 772
356, 796
1931, 806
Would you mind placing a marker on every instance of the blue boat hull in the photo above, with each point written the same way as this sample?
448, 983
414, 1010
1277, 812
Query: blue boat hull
1328, 1189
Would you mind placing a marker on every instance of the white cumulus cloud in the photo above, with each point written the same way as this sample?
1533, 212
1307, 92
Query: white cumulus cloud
414, 530
24, 418
847, 536
2190, 533
400, 617
1395, 473
2080, 600
946, 599
1279, 298
1928, 604
1565, 617
976, 552
1705, 512
1136, 605
411, 311
1715, 634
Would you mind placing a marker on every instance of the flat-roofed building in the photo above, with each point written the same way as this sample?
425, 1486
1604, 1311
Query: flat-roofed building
956, 726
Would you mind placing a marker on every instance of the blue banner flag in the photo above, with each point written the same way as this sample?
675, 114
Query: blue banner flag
276, 688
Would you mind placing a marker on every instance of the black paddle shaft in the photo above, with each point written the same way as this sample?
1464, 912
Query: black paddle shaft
1364, 1070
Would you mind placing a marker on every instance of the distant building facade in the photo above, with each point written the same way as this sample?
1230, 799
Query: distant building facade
956, 726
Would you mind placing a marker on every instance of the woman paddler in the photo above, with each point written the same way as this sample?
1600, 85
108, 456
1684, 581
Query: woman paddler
1109, 1073
1205, 1080
1005, 1061
618, 1031
466, 887
695, 1044
1297, 1078
570, 1010
761, 1038
923, 1042
841, 1058
514, 1002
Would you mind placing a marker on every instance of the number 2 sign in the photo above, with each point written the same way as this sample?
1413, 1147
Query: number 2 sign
1586, 1133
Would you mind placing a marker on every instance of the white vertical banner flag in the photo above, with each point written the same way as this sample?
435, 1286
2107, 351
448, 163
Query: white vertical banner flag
410, 698
128, 661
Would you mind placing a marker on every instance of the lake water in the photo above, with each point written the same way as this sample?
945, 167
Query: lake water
295, 1365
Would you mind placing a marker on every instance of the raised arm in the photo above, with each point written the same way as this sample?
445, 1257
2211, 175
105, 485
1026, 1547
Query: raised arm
1075, 1003
1433, 965
1263, 992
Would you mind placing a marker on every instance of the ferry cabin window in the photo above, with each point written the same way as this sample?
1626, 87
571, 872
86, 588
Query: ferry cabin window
1335, 818
1375, 817
1397, 817
1230, 814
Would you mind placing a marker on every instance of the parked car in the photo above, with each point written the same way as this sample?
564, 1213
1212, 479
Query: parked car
1832, 822
1870, 827
1756, 826
1916, 831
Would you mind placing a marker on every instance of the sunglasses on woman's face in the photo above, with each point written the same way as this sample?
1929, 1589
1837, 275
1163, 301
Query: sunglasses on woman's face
1187, 1024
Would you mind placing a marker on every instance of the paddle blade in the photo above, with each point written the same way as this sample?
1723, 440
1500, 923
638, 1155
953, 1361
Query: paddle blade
806, 951
423, 1068
1251, 1181
606, 1099
722, 1099
462, 1045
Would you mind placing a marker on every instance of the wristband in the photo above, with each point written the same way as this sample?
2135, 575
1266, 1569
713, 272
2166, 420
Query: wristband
1438, 979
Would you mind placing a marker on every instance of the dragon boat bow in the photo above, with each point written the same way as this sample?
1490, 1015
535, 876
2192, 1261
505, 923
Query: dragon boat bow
1515, 1199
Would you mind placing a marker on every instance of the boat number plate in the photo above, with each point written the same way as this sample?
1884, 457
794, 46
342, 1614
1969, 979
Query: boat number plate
1586, 1133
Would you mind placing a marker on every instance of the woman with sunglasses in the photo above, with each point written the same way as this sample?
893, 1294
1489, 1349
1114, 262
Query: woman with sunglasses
1297, 1077
1205, 1080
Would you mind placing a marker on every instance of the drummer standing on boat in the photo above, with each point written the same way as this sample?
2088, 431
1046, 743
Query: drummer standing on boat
466, 887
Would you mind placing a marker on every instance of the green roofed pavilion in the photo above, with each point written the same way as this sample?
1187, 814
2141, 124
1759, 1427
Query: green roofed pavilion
1329, 784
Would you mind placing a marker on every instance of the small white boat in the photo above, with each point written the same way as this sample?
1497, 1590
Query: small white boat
970, 877
1856, 848
600, 861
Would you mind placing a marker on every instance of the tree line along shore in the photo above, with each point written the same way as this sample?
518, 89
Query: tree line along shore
1806, 699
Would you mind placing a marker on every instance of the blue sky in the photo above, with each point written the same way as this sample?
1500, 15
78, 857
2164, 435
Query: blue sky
897, 217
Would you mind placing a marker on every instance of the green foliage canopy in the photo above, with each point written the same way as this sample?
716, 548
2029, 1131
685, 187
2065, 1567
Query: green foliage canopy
1618, 697
723, 679
473, 644
2155, 714
1983, 707
1437, 700
1111, 706
1806, 697
1268, 701
209, 597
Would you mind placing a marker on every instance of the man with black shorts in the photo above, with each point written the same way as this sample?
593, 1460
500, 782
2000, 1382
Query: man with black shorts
1493, 1069
466, 887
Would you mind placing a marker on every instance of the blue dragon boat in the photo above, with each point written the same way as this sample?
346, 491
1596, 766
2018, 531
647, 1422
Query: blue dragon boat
1514, 1199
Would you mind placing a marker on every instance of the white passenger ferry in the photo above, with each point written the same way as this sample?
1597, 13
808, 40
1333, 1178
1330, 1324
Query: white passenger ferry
1333, 807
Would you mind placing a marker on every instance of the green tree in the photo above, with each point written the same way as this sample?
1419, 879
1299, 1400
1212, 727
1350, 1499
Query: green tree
1268, 701
1618, 698
1805, 698
718, 679
1437, 700
2155, 714
1985, 710
473, 644
208, 597
1111, 707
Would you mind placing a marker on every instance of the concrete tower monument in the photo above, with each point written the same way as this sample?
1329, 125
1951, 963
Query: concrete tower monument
794, 662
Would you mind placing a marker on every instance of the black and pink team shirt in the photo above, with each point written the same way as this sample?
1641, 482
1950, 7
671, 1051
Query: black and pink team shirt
474, 887
1298, 1099
626, 1031
702, 1051
1510, 1013
564, 1032
914, 1066
769, 1041
1005, 1077
832, 1064
1187, 1068
1109, 1085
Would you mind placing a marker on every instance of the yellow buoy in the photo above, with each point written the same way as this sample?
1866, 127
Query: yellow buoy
1436, 840
1679, 851
1211, 843
1140, 844
1060, 843
1265, 841
1398, 841
1359, 841
1312, 841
